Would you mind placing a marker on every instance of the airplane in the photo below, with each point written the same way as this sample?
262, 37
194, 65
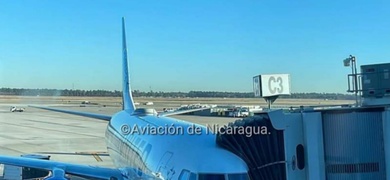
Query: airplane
15, 109
139, 149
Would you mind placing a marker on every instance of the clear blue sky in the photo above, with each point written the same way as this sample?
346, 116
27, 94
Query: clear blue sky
189, 45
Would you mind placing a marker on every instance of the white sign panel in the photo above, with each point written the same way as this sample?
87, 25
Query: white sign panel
256, 86
271, 85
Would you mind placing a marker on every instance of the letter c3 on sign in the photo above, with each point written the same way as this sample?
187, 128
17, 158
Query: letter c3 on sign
275, 85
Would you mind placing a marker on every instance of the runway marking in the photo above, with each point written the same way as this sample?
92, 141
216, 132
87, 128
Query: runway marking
14, 150
97, 157
55, 130
94, 154
46, 122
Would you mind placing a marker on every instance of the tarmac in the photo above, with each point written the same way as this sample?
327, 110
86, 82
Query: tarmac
65, 136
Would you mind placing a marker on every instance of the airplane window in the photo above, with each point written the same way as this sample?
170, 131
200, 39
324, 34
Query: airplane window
211, 177
192, 176
243, 176
184, 175
137, 141
142, 144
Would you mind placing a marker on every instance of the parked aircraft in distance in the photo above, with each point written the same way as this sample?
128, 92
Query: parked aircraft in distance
178, 153
15, 109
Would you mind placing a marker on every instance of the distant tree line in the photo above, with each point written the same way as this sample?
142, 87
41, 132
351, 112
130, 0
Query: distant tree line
137, 93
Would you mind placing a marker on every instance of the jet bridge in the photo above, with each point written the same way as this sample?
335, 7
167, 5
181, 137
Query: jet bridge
259, 144
315, 144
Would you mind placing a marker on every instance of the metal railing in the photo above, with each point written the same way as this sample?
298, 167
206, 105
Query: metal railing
369, 84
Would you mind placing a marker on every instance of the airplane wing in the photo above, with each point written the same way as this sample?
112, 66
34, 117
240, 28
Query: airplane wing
85, 114
108, 118
76, 153
59, 168
181, 112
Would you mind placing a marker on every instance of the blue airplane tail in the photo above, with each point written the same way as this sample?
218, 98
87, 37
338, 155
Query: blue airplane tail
127, 98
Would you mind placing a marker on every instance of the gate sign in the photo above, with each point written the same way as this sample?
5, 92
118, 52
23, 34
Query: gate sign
271, 85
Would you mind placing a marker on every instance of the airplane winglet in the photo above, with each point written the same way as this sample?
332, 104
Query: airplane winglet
127, 99
181, 112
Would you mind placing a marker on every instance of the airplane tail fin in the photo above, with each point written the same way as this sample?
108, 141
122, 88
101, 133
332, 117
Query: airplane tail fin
127, 98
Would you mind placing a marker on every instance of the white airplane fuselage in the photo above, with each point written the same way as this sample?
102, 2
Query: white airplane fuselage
168, 148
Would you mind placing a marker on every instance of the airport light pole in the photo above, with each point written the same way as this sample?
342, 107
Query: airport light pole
351, 60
